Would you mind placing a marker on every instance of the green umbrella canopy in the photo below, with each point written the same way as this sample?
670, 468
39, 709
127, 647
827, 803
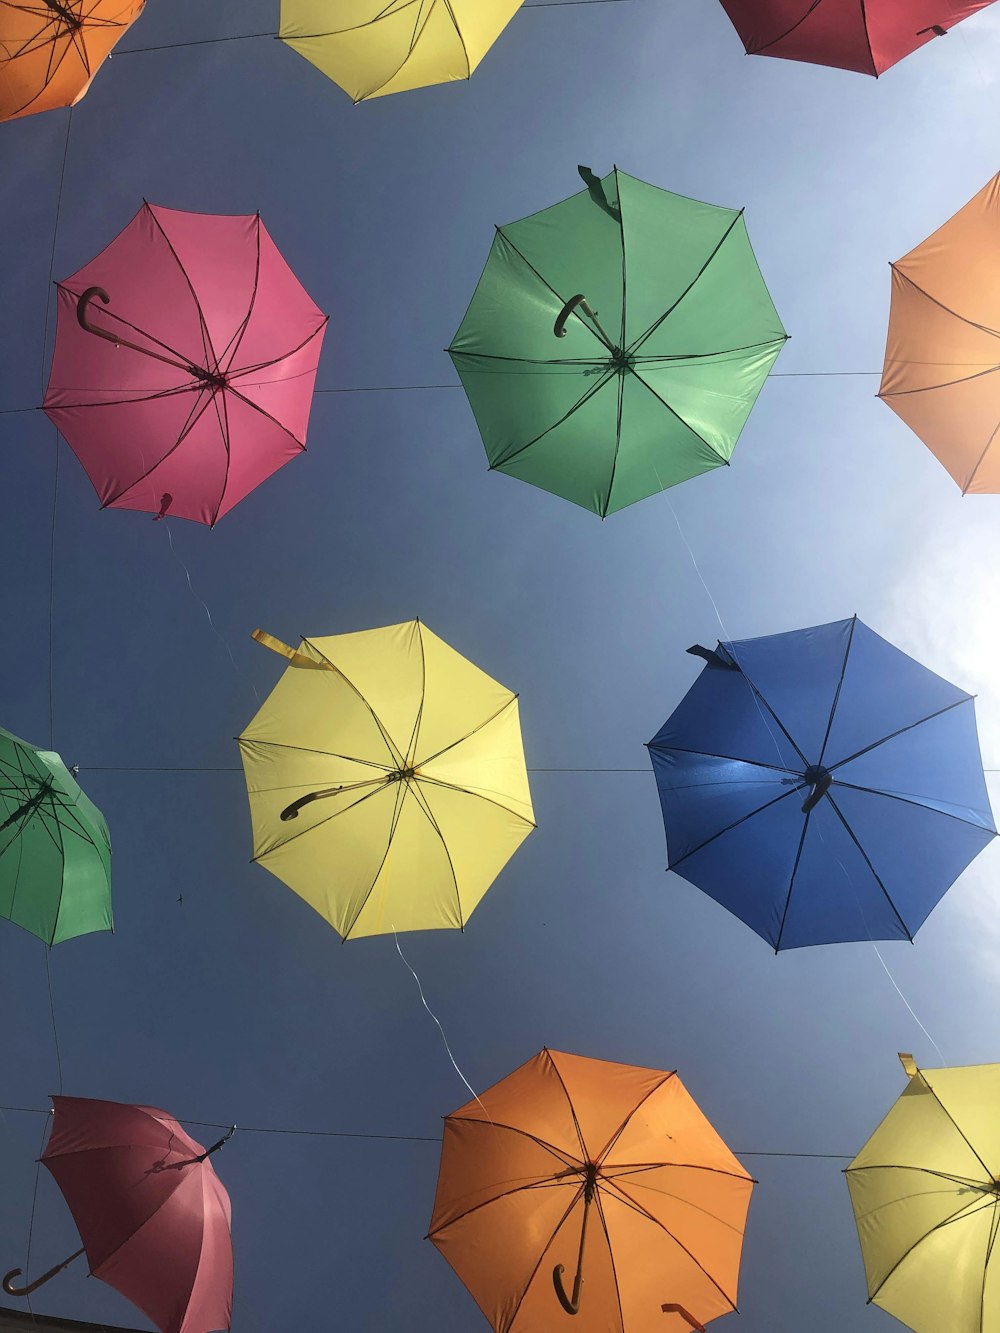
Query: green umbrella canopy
55, 853
666, 335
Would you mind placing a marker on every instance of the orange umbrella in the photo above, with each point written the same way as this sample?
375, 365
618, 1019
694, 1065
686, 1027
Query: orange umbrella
942, 354
608, 1170
51, 49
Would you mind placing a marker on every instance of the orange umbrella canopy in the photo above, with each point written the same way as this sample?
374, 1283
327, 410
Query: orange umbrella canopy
575, 1167
51, 49
942, 355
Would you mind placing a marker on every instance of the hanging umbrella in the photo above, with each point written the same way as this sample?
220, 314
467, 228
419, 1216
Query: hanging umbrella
868, 36
565, 1141
925, 1190
821, 785
153, 1216
184, 365
55, 853
374, 47
386, 779
942, 352
605, 380
50, 50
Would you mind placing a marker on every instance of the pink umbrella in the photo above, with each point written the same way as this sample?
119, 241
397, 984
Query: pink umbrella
184, 364
153, 1216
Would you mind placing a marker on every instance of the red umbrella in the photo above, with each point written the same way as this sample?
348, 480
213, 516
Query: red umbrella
153, 1216
868, 36
184, 365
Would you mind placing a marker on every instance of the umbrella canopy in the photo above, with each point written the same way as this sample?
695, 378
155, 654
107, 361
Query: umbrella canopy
942, 352
604, 379
566, 1139
868, 37
55, 852
51, 49
926, 1201
821, 785
386, 779
374, 47
184, 364
153, 1216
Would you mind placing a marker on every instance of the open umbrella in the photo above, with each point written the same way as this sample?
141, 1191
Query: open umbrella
374, 47
942, 353
55, 852
184, 364
386, 779
567, 1141
153, 1216
925, 1190
50, 50
616, 342
863, 35
821, 785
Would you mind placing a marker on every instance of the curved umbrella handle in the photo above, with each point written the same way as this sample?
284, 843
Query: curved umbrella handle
83, 319
820, 786
679, 1309
571, 1304
559, 328
292, 811
81, 312
11, 1290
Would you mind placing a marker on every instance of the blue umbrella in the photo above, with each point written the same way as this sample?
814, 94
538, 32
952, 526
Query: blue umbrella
821, 785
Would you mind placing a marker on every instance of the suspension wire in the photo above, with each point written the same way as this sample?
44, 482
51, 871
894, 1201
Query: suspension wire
52, 1011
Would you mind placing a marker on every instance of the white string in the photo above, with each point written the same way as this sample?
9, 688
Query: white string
423, 1001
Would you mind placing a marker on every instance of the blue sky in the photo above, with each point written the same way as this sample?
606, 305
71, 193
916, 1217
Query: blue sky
240, 1004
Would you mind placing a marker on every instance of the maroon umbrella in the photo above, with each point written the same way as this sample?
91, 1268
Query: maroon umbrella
864, 35
153, 1216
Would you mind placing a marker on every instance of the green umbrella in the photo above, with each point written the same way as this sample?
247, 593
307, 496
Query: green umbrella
55, 854
616, 342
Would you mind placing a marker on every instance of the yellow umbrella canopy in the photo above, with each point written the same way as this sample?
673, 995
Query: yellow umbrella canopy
374, 47
386, 779
926, 1195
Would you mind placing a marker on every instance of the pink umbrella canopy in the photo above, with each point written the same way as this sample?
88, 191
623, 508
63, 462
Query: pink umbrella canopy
153, 1216
184, 363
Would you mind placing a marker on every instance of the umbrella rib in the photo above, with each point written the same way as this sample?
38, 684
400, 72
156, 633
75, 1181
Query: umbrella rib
305, 749
529, 360
634, 347
621, 228
207, 348
461, 37
618, 445
836, 695
478, 795
410, 750
977, 1206
868, 38
638, 1168
973, 324
561, 299
782, 35
615, 1192
285, 356
414, 38
944, 1108
729, 758
319, 824
233, 346
791, 879
587, 395
602, 1155
611, 1253
17, 839
945, 384
424, 804
194, 416
469, 734
222, 416
541, 1259
755, 691
689, 1203
394, 753
397, 810
873, 871
678, 416
559, 1154
569, 1103
989, 1255
735, 824
966, 699
982, 456
914, 801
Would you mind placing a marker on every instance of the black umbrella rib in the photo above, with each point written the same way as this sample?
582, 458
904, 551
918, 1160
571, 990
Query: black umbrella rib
840, 686
394, 751
874, 872
519, 360
966, 699
736, 823
624, 1124
207, 349
422, 801
963, 1214
233, 346
397, 810
618, 445
915, 801
788, 31
729, 758
945, 384
560, 298
963, 319
588, 394
791, 880
193, 417
679, 418
989, 1255
569, 1103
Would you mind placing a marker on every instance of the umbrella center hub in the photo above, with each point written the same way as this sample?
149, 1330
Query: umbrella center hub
817, 776
401, 775
213, 379
620, 361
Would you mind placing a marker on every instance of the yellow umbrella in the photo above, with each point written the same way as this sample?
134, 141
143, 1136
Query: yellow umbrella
386, 779
926, 1195
374, 47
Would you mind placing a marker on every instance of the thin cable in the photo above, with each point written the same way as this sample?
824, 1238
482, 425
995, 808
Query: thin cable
440, 1029
31, 1217
235, 768
52, 1011
909, 1006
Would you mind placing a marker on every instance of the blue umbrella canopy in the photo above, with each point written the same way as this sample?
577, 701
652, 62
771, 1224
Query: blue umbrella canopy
821, 785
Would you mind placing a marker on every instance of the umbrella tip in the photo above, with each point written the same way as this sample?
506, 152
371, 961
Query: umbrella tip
908, 1063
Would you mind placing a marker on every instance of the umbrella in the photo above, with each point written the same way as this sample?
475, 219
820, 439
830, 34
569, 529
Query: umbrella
821, 785
184, 364
55, 853
925, 1190
566, 1140
51, 49
868, 37
153, 1216
386, 779
374, 47
605, 381
942, 352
